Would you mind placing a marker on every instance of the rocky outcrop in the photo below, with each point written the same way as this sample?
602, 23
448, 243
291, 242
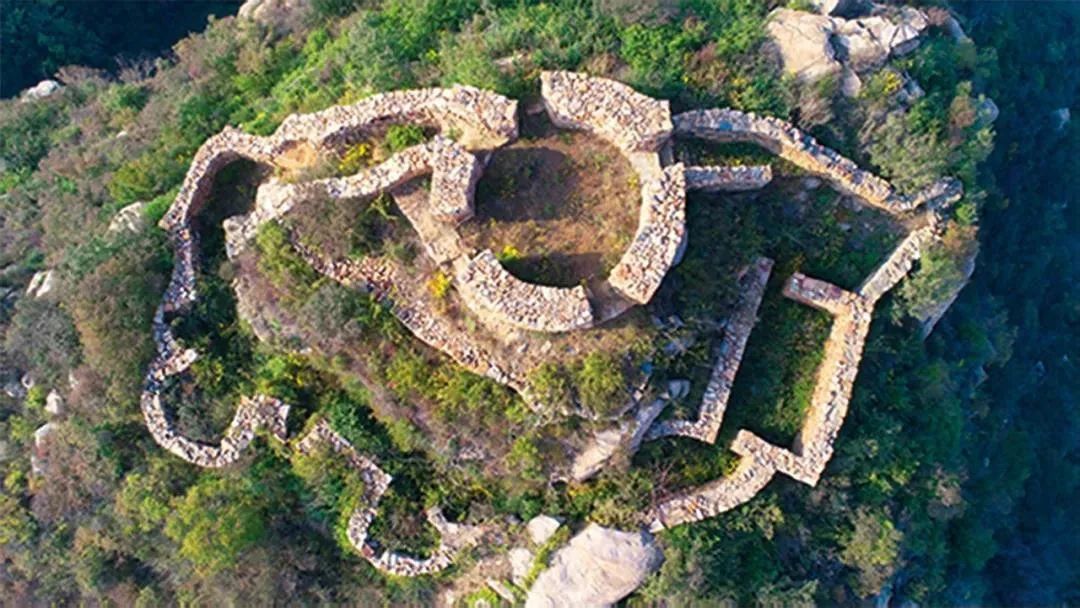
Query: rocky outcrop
129, 219
279, 15
598, 567
488, 287
813, 46
736, 333
41, 90
42, 284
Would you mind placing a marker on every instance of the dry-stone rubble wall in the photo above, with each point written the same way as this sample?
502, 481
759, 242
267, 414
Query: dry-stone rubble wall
609, 109
728, 179
659, 240
485, 285
736, 332
786, 141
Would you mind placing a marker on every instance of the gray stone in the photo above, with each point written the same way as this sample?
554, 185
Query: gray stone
598, 567
279, 15
521, 560
41, 284
987, 111
1060, 117
41, 90
541, 528
803, 40
128, 219
54, 403
677, 389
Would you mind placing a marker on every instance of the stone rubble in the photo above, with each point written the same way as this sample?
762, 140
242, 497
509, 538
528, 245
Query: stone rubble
736, 333
42, 284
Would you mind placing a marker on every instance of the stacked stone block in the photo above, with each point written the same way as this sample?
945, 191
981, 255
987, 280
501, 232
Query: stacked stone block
728, 179
608, 109
732, 345
487, 287
659, 240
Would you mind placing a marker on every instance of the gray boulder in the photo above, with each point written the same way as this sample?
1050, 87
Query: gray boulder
598, 567
41, 90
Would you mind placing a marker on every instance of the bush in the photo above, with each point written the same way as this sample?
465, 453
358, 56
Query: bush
600, 383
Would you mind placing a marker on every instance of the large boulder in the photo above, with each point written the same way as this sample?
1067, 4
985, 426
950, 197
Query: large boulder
41, 90
128, 219
803, 41
598, 567
278, 15
41, 284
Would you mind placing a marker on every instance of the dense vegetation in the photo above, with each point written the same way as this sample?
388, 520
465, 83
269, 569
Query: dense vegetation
955, 471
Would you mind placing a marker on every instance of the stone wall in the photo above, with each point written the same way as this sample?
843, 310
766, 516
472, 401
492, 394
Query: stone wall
609, 109
783, 139
728, 179
813, 448
453, 537
736, 332
486, 286
659, 240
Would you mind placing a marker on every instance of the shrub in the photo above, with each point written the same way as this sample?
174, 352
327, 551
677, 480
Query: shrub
439, 285
399, 137
600, 383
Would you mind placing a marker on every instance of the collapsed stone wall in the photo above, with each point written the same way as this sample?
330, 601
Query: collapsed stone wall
485, 285
725, 125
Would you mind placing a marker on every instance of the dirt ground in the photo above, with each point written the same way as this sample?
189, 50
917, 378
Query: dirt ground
563, 204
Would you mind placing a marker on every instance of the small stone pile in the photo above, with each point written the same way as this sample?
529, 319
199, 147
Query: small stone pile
736, 333
660, 237
486, 286
606, 108
728, 179
783, 139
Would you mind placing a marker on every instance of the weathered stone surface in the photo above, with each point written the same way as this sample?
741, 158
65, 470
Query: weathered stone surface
42, 283
128, 219
598, 567
541, 528
54, 403
728, 179
281, 15
803, 42
521, 560
41, 90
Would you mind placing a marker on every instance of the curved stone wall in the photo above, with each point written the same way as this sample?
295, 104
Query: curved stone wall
485, 285
783, 139
609, 109
660, 237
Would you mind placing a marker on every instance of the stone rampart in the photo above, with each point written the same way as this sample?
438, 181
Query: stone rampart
783, 139
659, 240
728, 179
898, 265
486, 286
736, 333
609, 109
488, 118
